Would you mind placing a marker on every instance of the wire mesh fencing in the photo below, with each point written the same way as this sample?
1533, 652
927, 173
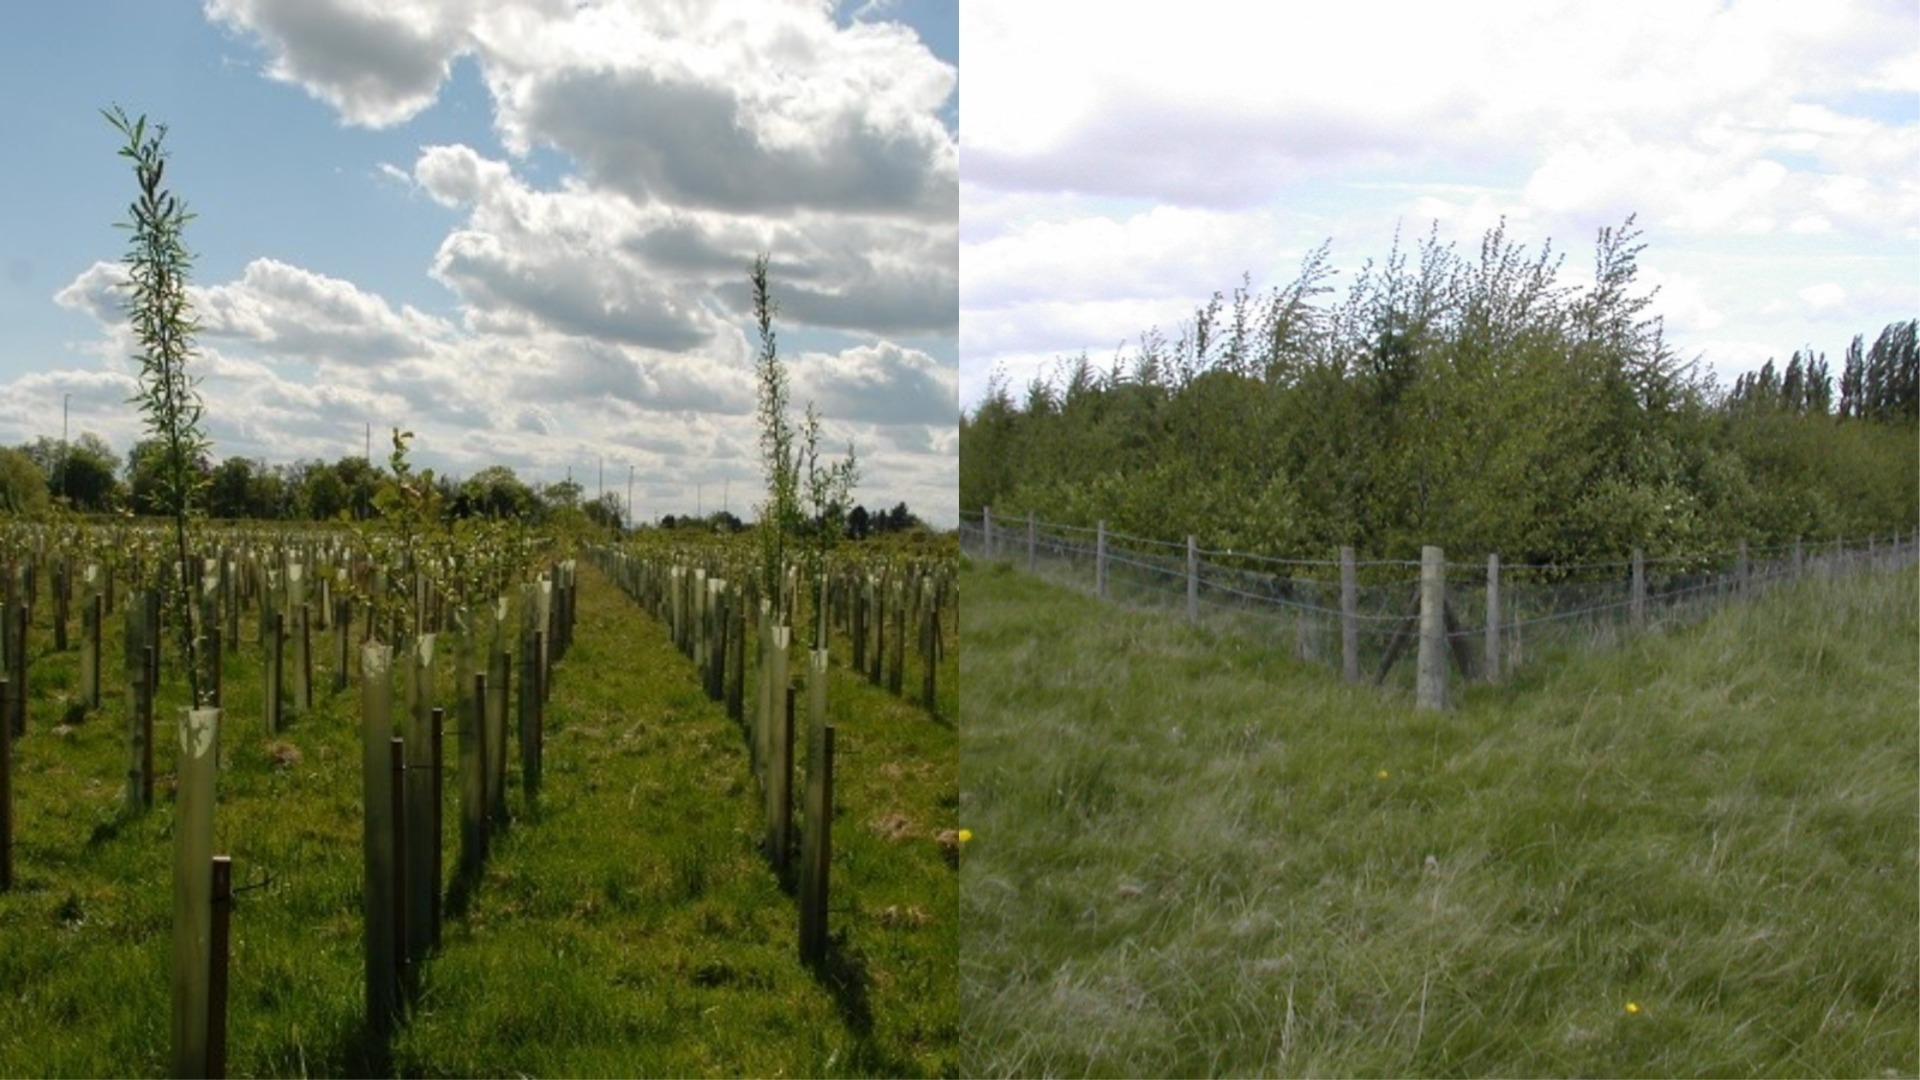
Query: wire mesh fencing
1363, 617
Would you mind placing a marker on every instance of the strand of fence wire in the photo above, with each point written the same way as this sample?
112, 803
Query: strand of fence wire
1540, 607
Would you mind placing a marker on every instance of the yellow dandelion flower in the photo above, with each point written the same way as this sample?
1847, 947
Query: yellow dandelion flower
1633, 1008
966, 835
1382, 774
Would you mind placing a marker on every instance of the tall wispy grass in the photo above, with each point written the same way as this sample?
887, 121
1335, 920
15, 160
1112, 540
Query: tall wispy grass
1194, 857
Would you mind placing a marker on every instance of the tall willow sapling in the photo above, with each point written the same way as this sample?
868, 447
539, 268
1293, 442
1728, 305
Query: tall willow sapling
157, 262
796, 480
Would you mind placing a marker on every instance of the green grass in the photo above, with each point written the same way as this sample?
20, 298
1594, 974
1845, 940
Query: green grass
1193, 855
625, 925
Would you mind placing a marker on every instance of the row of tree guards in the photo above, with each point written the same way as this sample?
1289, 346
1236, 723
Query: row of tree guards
404, 767
404, 761
1434, 625
708, 617
711, 620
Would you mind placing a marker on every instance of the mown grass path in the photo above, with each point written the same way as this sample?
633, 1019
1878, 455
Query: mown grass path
625, 925
1695, 855
630, 926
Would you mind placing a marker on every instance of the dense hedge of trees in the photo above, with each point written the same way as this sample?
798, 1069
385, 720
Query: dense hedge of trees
1473, 402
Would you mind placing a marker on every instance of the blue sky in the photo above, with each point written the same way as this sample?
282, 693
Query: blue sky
1121, 166
520, 229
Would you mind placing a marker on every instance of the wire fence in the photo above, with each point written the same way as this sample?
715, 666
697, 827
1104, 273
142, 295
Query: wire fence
1361, 616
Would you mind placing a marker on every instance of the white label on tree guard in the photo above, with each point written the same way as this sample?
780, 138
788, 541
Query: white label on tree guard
196, 732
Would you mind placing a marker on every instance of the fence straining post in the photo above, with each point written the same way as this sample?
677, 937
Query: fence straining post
1031, 530
1431, 683
1639, 594
1100, 561
1493, 617
1349, 616
986, 528
1745, 580
1799, 558
1193, 581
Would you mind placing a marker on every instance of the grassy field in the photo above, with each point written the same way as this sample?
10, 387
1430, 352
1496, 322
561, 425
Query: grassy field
1695, 855
625, 925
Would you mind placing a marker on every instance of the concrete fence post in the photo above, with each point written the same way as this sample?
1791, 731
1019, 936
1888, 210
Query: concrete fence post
1349, 616
1638, 596
1431, 683
1193, 581
986, 529
1493, 617
1032, 530
1100, 561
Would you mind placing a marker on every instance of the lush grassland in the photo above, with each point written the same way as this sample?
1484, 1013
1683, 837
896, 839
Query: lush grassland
1695, 855
625, 925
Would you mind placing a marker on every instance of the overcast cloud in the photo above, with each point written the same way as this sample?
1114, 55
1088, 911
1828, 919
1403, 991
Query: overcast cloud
1123, 164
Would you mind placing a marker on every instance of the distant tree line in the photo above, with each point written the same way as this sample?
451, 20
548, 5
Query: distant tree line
90, 478
860, 523
87, 476
1471, 402
1881, 382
